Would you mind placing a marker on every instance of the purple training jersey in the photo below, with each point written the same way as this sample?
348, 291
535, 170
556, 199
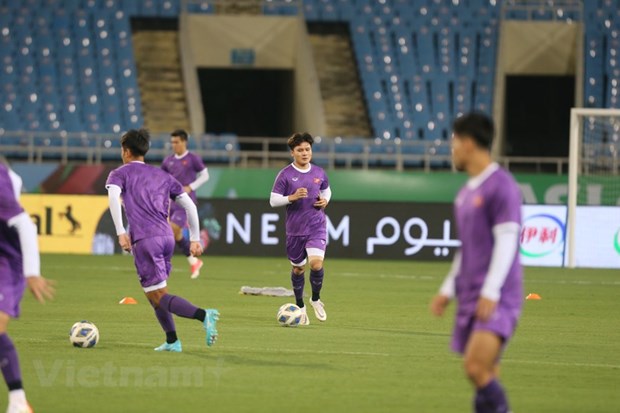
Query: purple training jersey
9, 207
12, 280
146, 192
302, 218
184, 169
497, 200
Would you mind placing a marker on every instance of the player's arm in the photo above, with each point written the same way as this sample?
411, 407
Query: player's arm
41, 288
17, 183
192, 219
114, 203
505, 247
324, 196
201, 178
325, 193
279, 200
280, 187
448, 287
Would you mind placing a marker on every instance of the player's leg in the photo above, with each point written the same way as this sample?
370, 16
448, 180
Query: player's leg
12, 285
152, 257
316, 254
316, 280
296, 252
173, 304
167, 324
481, 363
9, 363
298, 280
178, 221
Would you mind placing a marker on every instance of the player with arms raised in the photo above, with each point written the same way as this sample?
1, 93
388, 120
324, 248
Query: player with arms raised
146, 192
486, 276
304, 189
19, 266
191, 172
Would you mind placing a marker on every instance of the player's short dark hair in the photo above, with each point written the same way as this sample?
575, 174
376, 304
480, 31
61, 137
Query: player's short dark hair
137, 141
299, 138
180, 133
477, 126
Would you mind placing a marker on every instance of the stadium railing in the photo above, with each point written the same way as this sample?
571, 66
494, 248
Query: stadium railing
560, 10
267, 7
233, 151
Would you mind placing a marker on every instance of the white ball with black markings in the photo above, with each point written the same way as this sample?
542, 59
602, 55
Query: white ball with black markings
289, 315
84, 334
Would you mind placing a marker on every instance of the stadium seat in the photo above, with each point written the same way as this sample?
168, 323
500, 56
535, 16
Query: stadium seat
421, 63
381, 147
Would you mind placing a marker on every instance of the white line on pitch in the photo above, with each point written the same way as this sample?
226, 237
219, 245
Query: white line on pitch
90, 268
297, 350
397, 276
273, 350
573, 282
567, 364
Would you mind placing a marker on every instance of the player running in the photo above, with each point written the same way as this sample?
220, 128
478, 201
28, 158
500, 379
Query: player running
146, 192
486, 276
304, 189
191, 172
19, 266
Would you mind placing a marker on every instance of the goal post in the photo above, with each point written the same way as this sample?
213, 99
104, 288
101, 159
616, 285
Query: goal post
593, 168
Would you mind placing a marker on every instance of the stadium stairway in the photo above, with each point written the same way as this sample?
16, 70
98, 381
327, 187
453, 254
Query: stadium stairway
343, 100
160, 79
252, 7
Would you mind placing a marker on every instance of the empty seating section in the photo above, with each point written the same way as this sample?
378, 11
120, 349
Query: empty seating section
602, 49
68, 65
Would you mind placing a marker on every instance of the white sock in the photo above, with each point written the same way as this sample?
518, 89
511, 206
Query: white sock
192, 260
17, 396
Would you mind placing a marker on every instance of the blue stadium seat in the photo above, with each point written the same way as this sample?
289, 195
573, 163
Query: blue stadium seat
349, 150
380, 147
203, 7
421, 63
217, 146
415, 149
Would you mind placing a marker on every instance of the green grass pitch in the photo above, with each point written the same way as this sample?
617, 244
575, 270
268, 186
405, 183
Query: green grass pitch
379, 351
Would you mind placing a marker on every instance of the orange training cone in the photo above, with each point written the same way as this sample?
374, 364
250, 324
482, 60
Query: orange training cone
533, 296
128, 300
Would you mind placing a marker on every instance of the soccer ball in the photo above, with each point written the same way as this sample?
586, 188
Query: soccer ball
84, 334
289, 315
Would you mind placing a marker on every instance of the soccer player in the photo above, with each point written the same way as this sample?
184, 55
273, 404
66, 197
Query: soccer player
486, 276
146, 192
19, 266
304, 189
191, 172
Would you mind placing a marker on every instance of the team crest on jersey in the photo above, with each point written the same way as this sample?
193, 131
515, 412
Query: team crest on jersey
184, 163
317, 180
478, 201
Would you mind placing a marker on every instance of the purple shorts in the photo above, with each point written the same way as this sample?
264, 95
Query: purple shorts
152, 259
12, 285
299, 248
178, 216
503, 323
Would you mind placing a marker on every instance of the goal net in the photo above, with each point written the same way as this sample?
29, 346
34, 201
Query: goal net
594, 189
